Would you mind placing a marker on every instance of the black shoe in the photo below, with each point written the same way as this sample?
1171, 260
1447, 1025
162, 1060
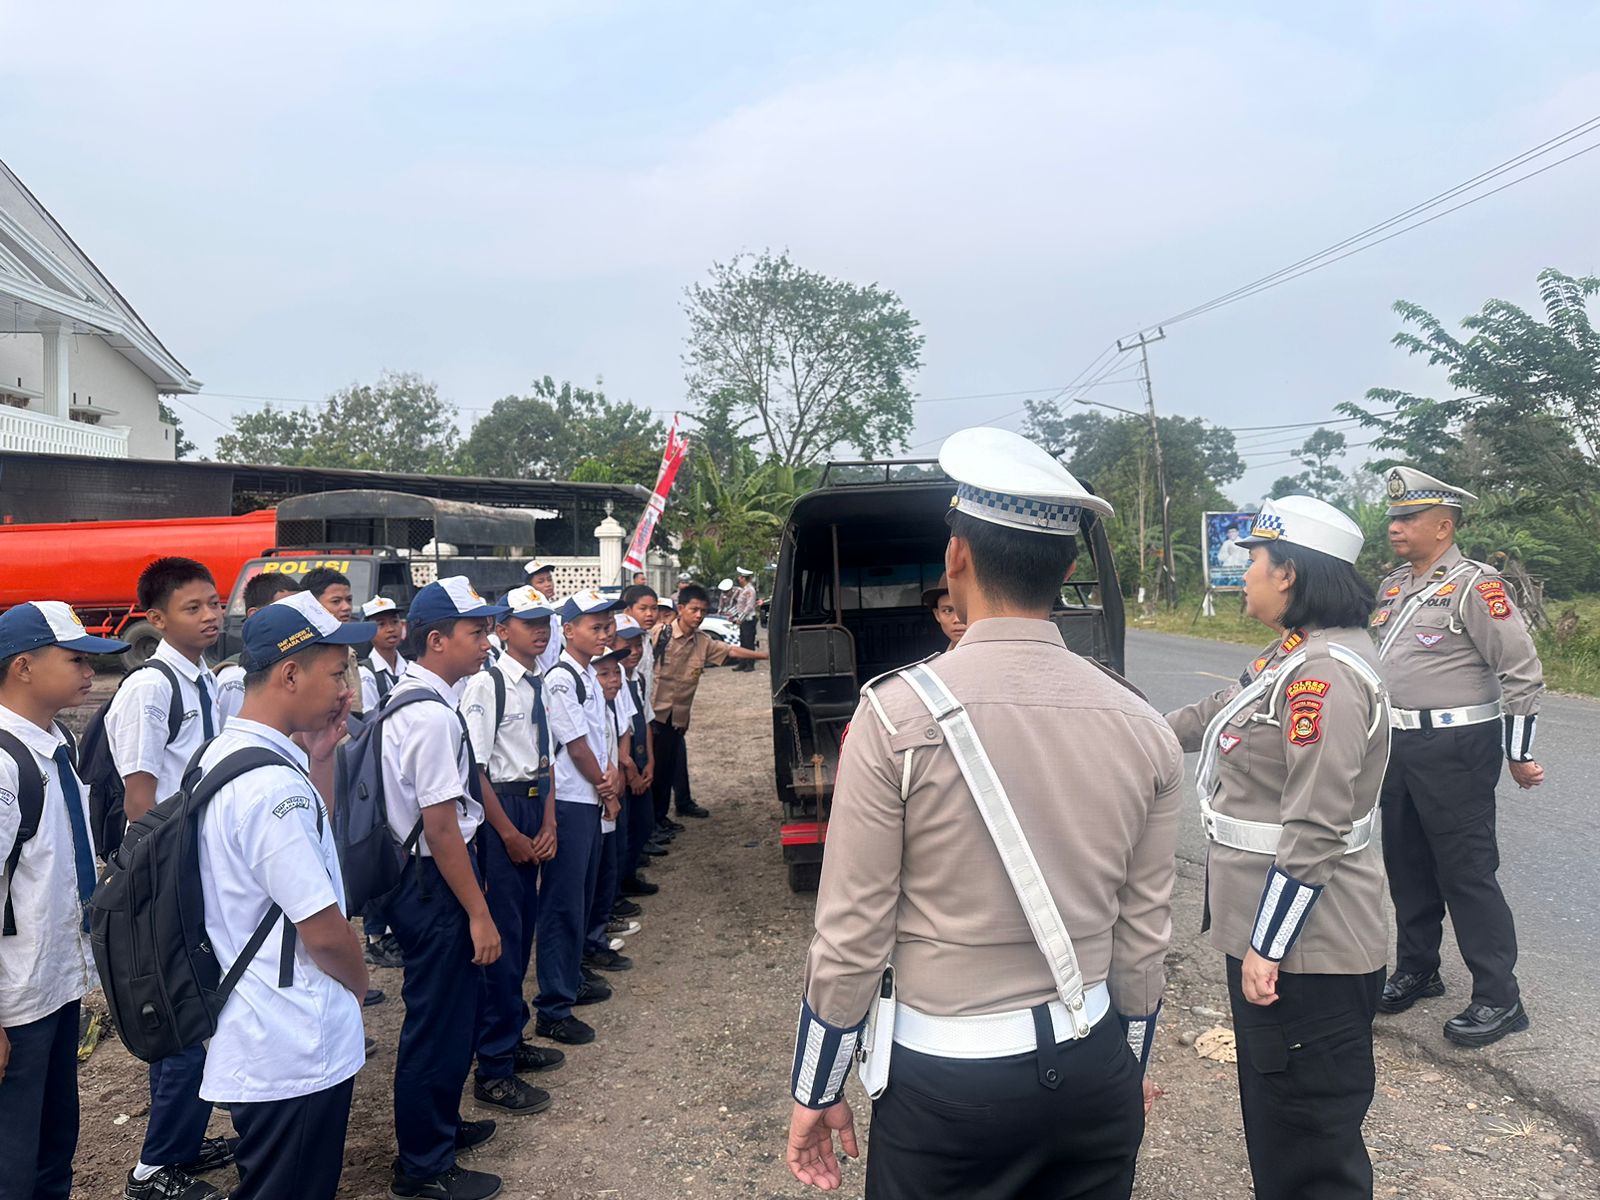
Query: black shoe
170, 1183
1405, 988
622, 927
694, 810
510, 1095
593, 991
671, 826
373, 997
457, 1183
1481, 1024
638, 885
529, 1059
472, 1134
653, 850
625, 909
569, 1031
384, 952
215, 1153
607, 960
372, 1044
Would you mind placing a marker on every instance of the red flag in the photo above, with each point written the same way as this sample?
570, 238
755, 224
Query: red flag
671, 459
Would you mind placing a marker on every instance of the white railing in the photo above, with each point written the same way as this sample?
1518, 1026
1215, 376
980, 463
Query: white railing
35, 433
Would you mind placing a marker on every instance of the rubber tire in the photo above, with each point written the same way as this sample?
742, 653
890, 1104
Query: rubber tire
142, 638
804, 876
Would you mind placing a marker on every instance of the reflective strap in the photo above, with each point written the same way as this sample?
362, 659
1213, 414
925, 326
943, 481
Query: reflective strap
1414, 605
822, 1057
1519, 737
1049, 931
1443, 718
993, 1035
1261, 837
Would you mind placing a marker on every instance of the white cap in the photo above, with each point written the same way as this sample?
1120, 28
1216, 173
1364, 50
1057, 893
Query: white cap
1003, 478
1411, 490
627, 627
377, 606
529, 603
745, 571
534, 565
725, 586
1304, 521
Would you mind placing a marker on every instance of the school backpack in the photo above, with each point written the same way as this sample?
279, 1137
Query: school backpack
147, 921
368, 854
30, 807
98, 768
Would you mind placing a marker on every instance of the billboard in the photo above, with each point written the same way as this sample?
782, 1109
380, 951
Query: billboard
1226, 560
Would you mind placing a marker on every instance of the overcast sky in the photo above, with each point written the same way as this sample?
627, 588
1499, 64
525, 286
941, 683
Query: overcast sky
297, 196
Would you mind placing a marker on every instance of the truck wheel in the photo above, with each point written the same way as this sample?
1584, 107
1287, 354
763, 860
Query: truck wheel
804, 877
142, 638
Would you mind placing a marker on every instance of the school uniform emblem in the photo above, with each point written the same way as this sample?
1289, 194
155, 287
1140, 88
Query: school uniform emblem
1227, 741
1430, 639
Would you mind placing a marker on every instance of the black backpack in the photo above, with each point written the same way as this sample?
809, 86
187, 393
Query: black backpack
147, 921
30, 807
98, 768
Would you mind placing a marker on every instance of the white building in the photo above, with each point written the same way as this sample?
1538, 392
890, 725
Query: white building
80, 372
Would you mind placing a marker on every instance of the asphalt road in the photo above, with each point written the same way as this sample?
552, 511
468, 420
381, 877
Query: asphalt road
1549, 869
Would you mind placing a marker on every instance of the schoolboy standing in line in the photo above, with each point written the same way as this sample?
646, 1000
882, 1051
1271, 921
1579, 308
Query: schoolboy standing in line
46, 966
333, 591
260, 591
180, 597
438, 911
598, 953
385, 666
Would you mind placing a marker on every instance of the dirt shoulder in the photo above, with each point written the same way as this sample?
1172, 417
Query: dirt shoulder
683, 1093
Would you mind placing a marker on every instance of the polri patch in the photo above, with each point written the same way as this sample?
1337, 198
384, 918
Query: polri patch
1306, 687
1494, 595
1380, 618
1305, 721
1430, 639
1393, 592
1227, 741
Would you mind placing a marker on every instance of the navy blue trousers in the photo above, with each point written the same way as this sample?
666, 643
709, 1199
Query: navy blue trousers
292, 1149
566, 886
178, 1117
605, 886
440, 991
39, 1108
638, 823
513, 895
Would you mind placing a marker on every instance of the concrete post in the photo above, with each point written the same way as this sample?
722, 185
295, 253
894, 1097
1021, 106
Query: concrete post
57, 401
610, 533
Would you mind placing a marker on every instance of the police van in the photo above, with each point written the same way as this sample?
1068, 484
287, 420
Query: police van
856, 554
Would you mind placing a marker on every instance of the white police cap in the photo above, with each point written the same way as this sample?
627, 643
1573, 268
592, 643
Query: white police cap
1306, 521
1004, 478
1411, 490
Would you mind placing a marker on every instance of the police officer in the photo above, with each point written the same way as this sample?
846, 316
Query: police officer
1292, 761
1465, 680
1009, 1073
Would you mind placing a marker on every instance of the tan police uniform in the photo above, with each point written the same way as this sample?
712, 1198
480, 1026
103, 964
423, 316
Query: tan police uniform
1465, 681
992, 1090
1292, 763
679, 659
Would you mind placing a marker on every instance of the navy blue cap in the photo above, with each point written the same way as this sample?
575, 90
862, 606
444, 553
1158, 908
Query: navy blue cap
292, 623
49, 623
452, 597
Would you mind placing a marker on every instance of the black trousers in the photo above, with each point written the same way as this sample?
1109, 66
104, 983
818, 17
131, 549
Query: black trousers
747, 639
672, 770
1441, 854
993, 1129
1305, 1082
39, 1108
292, 1149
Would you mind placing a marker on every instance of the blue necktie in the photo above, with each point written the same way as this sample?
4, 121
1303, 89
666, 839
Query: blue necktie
206, 724
82, 849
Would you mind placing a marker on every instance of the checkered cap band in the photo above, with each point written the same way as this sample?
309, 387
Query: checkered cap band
1021, 512
1267, 525
1427, 496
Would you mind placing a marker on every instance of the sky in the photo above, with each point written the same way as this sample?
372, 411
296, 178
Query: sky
296, 197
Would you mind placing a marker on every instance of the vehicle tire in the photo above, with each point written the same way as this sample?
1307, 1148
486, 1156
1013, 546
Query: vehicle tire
142, 638
804, 877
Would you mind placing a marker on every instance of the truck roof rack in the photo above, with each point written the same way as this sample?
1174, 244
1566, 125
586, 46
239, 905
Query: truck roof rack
853, 472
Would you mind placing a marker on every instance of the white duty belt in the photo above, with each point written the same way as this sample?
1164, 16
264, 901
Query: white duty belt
992, 1035
1443, 718
1261, 837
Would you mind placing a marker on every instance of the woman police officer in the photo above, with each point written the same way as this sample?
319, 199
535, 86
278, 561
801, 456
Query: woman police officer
1292, 761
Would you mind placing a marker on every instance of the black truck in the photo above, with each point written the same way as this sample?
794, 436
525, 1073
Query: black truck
856, 554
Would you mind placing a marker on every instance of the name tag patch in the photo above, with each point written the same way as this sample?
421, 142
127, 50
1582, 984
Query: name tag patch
1430, 639
284, 807
7, 798
1228, 741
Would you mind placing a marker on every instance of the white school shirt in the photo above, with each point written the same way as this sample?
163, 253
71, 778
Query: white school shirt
570, 721
259, 845
229, 691
371, 667
47, 963
552, 651
427, 759
513, 752
646, 673
619, 716
136, 722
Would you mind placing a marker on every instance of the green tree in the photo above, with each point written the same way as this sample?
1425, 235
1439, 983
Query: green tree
732, 517
1321, 476
559, 431
272, 436
799, 363
182, 447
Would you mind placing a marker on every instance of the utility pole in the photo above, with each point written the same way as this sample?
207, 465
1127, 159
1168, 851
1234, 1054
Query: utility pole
1169, 580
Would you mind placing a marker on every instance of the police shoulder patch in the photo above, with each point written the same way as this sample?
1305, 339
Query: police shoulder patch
1305, 722
1306, 687
1380, 617
1494, 596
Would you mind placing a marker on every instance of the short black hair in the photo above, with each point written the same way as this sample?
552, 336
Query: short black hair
267, 587
5, 665
690, 592
254, 679
1327, 592
320, 579
636, 592
1016, 565
161, 578
417, 635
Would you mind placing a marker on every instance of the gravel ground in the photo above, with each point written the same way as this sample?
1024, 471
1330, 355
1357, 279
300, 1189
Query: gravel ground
683, 1093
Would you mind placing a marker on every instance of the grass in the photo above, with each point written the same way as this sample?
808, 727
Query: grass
1571, 666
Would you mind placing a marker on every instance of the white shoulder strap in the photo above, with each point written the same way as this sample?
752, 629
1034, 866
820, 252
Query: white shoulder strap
1049, 931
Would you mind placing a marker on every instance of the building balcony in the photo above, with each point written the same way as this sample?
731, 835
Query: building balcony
36, 433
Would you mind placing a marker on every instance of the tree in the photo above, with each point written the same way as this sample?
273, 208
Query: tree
798, 362
398, 424
182, 447
728, 517
562, 431
1321, 476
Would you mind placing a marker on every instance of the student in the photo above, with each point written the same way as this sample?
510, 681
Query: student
385, 666
260, 591
438, 911
46, 966
598, 952
181, 600
638, 766
512, 755
332, 590
944, 612
542, 579
584, 783
284, 1058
